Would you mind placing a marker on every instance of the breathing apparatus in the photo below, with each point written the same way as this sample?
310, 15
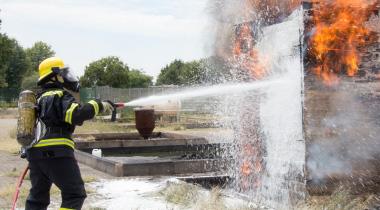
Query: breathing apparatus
26, 122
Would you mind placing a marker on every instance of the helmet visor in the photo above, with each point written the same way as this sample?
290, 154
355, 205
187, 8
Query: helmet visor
67, 73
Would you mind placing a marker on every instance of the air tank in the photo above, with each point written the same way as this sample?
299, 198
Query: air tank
26, 122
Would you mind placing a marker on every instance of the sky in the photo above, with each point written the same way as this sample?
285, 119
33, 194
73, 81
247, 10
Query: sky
144, 34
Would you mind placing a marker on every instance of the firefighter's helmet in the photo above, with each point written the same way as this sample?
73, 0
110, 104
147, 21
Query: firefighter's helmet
53, 66
45, 69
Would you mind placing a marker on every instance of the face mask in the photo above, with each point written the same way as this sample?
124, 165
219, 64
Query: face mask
71, 81
74, 86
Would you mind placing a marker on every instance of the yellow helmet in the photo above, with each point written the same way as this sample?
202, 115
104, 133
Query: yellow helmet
45, 68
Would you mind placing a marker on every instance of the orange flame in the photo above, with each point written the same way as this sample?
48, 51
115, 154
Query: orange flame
339, 37
246, 57
329, 78
251, 164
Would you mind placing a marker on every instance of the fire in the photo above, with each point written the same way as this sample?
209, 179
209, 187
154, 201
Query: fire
251, 165
254, 67
340, 36
246, 57
329, 78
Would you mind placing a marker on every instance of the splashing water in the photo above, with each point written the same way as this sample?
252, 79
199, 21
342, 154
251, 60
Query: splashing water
268, 149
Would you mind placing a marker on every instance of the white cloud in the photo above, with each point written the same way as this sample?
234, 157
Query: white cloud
111, 18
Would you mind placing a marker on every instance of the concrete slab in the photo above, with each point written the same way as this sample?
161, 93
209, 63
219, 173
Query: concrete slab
142, 165
148, 166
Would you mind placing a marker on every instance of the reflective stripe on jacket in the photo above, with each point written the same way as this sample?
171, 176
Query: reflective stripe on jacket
55, 142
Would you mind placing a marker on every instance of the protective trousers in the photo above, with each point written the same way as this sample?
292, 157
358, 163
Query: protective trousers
64, 173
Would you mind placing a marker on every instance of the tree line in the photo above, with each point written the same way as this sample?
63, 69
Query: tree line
19, 68
212, 70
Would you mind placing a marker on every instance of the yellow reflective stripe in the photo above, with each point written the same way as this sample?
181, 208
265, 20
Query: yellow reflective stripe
96, 106
69, 113
51, 142
50, 93
65, 209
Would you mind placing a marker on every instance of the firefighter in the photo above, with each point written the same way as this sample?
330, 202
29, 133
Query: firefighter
51, 158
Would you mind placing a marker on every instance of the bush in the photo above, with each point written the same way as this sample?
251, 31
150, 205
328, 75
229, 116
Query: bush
126, 112
30, 82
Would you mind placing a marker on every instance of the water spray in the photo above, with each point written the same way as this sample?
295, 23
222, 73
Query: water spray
207, 91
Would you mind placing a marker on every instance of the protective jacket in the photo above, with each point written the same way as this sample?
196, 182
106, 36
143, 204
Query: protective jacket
60, 113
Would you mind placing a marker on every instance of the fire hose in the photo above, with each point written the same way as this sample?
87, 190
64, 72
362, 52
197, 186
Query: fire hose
115, 105
19, 186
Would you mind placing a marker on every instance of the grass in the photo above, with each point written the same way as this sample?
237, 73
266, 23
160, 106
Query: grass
179, 128
181, 194
7, 192
8, 141
89, 178
15, 173
90, 138
8, 113
339, 200
99, 127
195, 197
13, 133
170, 127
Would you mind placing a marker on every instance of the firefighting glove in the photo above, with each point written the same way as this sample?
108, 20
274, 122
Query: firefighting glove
107, 106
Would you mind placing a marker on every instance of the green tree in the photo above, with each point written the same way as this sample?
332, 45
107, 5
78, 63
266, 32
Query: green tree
139, 79
109, 71
193, 73
17, 66
37, 53
30, 82
6, 53
170, 74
